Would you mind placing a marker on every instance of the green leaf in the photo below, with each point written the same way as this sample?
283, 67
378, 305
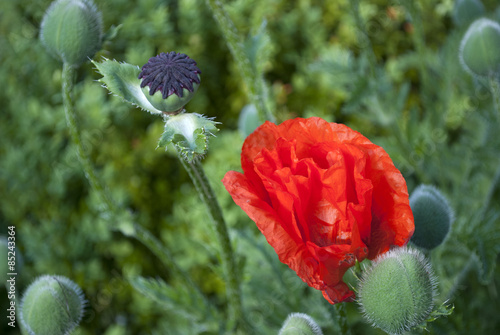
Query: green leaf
189, 132
121, 79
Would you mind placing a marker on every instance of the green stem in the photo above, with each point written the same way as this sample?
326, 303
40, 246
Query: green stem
68, 80
140, 233
200, 181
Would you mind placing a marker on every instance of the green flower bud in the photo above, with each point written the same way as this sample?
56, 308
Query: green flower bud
300, 324
72, 30
466, 11
169, 81
433, 217
51, 305
480, 48
396, 293
249, 120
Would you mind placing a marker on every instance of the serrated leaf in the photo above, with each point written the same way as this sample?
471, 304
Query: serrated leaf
121, 79
189, 132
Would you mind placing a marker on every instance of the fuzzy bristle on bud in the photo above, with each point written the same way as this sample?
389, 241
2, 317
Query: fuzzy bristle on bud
433, 217
396, 293
51, 305
480, 48
71, 30
300, 324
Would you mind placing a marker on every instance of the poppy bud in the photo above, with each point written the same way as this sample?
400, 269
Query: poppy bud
396, 293
51, 305
300, 324
480, 48
169, 81
466, 11
249, 120
433, 217
71, 30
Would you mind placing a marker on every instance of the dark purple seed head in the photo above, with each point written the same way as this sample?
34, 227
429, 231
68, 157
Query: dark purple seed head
170, 73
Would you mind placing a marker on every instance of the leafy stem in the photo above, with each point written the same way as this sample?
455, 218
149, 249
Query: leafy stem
195, 170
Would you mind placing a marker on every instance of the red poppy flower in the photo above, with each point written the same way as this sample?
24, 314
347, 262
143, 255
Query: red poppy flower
324, 196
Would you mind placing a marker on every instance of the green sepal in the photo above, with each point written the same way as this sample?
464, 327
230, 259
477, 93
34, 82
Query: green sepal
121, 79
189, 133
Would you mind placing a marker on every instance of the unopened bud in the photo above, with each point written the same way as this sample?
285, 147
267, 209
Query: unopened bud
466, 11
480, 48
396, 293
433, 217
51, 305
71, 30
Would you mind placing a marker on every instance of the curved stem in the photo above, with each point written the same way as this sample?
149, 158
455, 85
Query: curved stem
200, 181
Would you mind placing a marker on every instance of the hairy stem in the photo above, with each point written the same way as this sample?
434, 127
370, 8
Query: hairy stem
68, 80
207, 195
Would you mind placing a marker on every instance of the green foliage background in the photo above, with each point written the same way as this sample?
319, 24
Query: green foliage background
403, 88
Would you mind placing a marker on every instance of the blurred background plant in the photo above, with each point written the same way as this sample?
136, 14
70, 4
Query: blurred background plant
389, 69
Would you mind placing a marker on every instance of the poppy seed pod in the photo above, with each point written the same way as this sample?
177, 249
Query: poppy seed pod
396, 293
300, 324
169, 81
51, 305
71, 30
432, 215
466, 11
480, 48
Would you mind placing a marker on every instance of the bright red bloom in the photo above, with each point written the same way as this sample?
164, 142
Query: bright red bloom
324, 196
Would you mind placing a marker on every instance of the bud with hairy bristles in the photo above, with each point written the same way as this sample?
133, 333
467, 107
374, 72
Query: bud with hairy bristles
71, 30
51, 305
433, 217
396, 293
480, 48
300, 324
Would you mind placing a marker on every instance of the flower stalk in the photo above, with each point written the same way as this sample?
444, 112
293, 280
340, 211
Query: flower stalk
197, 174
